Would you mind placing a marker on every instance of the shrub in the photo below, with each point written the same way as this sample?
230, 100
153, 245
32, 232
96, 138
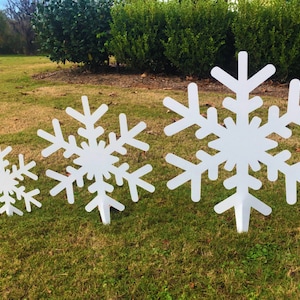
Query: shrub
197, 33
74, 31
269, 32
137, 35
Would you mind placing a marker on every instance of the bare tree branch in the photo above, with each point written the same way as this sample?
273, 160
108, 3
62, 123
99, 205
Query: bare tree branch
20, 13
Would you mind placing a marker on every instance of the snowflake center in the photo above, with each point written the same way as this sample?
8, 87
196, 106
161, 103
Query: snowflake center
244, 144
7, 182
96, 160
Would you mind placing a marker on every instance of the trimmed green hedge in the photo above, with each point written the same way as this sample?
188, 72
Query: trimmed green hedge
197, 32
74, 30
270, 33
196, 35
186, 36
137, 31
161, 36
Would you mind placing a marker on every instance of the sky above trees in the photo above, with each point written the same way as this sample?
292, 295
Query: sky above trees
2, 4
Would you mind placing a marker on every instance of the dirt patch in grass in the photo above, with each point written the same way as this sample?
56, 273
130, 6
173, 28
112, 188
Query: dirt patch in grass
13, 119
112, 77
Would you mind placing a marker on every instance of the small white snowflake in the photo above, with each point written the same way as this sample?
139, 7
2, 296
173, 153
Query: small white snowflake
96, 160
241, 143
9, 181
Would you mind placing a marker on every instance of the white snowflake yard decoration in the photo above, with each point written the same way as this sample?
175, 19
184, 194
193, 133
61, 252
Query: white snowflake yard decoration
96, 160
241, 143
9, 185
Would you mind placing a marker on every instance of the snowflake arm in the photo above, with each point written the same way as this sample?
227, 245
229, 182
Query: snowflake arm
243, 85
104, 202
209, 125
134, 179
8, 207
58, 141
242, 204
277, 124
90, 132
66, 182
193, 172
278, 163
127, 137
10, 181
191, 115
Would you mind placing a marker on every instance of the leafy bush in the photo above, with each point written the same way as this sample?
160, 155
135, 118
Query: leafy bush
270, 32
187, 35
75, 31
137, 34
197, 33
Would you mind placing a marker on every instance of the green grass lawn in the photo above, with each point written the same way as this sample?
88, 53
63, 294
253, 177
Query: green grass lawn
163, 247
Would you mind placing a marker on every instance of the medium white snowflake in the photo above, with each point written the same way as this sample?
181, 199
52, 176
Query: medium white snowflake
9, 181
241, 143
96, 160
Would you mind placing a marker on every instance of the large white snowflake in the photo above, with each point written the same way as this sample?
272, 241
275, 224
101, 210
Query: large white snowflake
240, 144
96, 160
9, 184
